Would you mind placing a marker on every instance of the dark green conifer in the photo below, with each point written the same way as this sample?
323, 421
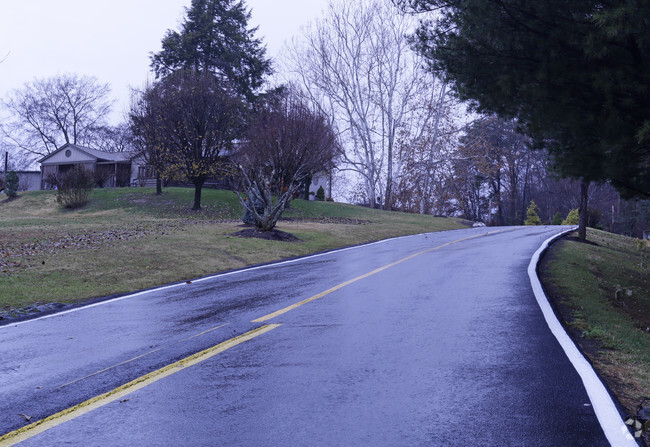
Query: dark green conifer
214, 37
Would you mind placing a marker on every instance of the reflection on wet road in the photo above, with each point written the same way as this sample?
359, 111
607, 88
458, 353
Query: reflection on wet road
431, 340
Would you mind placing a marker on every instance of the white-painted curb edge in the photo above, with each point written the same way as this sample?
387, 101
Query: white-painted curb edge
610, 420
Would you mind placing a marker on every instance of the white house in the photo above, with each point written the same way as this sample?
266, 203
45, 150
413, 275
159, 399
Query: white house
109, 168
320, 179
29, 180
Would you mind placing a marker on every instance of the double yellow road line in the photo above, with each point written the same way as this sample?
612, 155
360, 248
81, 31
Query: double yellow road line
120, 392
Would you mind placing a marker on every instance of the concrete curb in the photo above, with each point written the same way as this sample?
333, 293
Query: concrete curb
610, 420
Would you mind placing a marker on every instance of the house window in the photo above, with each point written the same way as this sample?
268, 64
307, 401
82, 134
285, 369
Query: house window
68, 153
145, 172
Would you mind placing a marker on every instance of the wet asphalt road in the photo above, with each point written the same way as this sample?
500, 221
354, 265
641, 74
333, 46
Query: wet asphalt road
448, 348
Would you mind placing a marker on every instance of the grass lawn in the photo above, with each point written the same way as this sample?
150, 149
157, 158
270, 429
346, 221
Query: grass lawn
128, 239
602, 291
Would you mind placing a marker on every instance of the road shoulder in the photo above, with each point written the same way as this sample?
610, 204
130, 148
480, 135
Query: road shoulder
609, 411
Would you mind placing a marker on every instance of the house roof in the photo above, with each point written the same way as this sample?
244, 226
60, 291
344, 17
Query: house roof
99, 155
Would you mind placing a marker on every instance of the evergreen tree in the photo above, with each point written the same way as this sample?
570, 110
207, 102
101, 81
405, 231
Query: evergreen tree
320, 194
215, 37
572, 73
557, 219
532, 216
572, 218
11, 184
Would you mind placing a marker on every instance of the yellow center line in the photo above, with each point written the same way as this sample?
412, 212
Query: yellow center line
353, 280
141, 355
68, 414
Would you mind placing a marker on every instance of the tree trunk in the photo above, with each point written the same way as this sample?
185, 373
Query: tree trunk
198, 184
388, 197
307, 185
514, 195
582, 223
370, 190
497, 196
158, 184
329, 186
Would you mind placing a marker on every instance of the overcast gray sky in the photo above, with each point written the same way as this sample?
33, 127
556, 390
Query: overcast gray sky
112, 39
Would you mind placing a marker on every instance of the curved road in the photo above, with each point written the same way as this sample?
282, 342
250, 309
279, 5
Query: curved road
425, 340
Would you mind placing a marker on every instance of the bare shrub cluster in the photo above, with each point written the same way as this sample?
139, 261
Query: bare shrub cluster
73, 187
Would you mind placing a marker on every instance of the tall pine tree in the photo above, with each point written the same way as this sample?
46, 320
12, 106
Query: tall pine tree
573, 73
214, 37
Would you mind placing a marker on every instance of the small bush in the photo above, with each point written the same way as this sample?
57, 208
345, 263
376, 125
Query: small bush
532, 217
593, 218
320, 194
573, 218
557, 219
329, 199
73, 188
11, 184
100, 177
123, 176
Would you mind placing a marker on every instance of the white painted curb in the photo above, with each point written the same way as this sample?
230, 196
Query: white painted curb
610, 420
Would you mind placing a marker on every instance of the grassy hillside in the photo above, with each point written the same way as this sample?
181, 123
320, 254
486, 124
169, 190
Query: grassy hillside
128, 239
602, 291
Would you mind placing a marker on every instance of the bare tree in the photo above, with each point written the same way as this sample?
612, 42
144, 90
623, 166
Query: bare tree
498, 160
17, 160
189, 120
117, 138
426, 144
148, 134
286, 143
47, 113
356, 63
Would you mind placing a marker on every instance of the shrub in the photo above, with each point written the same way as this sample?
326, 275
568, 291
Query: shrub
74, 187
123, 176
320, 194
573, 218
11, 184
100, 177
557, 219
593, 218
532, 218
